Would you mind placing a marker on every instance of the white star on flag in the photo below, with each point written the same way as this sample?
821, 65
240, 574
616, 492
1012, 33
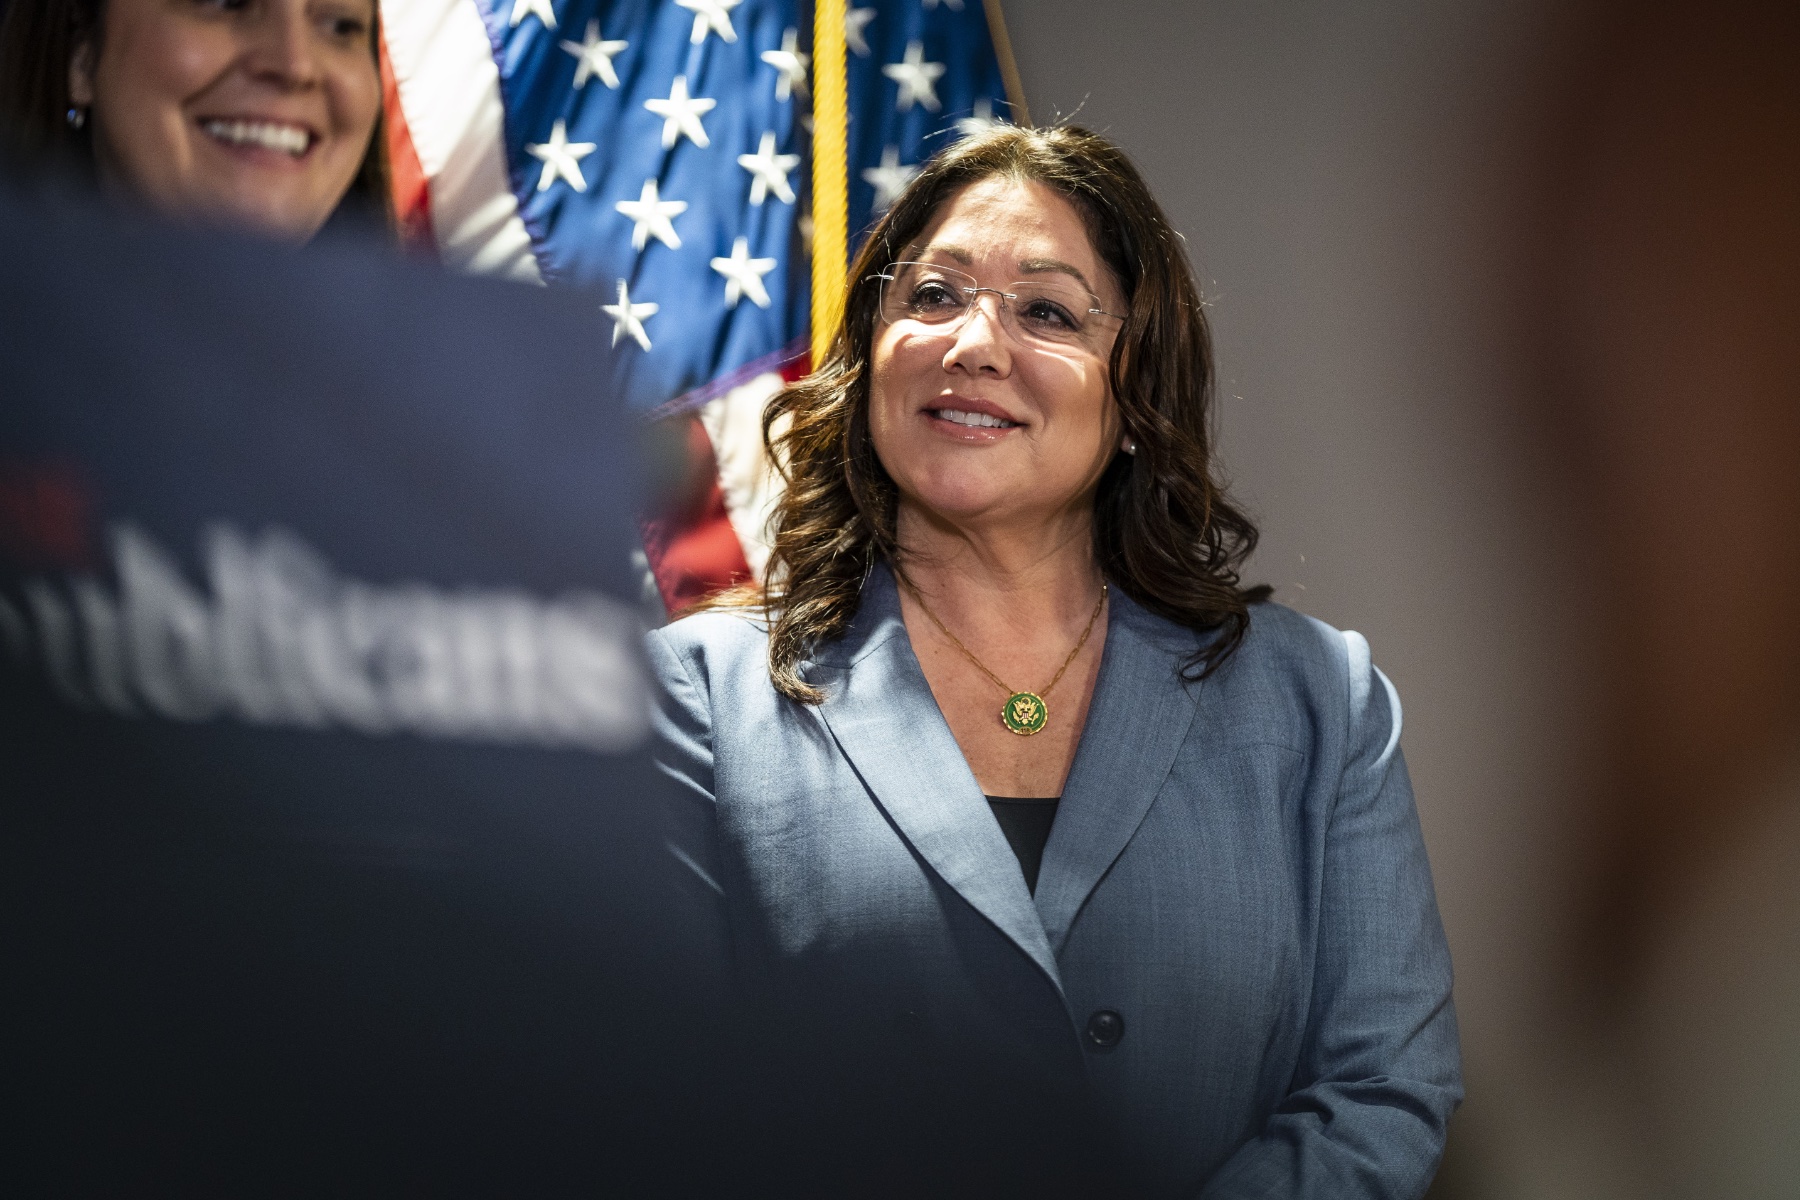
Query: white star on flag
916, 77
980, 121
628, 318
855, 21
651, 214
769, 171
789, 64
681, 114
889, 179
524, 8
714, 15
595, 58
743, 275
561, 157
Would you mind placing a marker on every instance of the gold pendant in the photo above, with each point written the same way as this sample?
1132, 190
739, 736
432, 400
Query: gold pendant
1024, 713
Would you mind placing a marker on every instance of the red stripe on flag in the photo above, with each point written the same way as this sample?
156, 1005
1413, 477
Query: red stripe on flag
692, 547
408, 188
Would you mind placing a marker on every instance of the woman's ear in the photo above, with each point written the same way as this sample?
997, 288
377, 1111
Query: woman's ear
1127, 444
81, 74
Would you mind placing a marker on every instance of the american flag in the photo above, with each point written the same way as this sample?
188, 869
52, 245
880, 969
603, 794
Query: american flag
656, 153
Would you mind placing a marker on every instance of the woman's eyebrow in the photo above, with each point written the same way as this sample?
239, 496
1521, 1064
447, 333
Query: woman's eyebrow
957, 252
1027, 266
1037, 266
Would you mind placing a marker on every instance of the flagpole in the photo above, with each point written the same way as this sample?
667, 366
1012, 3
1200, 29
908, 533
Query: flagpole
830, 174
1009, 68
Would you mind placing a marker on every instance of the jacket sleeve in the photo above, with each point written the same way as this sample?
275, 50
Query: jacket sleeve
682, 728
1380, 1072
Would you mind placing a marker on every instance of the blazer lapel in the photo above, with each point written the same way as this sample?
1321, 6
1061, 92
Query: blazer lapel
881, 711
1140, 715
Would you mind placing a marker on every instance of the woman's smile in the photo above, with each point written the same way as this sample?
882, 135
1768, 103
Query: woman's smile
278, 141
970, 420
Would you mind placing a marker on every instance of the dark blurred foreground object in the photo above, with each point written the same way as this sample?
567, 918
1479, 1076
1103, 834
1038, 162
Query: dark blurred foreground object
1672, 263
330, 860
1676, 262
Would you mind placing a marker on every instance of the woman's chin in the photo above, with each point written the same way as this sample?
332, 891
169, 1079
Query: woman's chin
270, 212
273, 220
971, 501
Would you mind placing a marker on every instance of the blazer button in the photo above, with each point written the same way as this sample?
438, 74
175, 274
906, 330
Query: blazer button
1104, 1029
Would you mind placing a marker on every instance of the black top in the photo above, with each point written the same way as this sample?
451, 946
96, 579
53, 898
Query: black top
1026, 822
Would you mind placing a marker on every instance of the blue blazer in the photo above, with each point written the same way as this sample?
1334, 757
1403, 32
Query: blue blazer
1236, 871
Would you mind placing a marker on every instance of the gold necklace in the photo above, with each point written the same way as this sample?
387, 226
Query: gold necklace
1025, 713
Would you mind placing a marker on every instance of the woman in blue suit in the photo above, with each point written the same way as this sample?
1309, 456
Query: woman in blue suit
1010, 798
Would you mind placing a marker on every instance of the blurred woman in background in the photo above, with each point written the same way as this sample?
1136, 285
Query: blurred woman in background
263, 115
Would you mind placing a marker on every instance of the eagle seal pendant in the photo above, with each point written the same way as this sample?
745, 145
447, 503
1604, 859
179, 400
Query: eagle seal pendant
1024, 713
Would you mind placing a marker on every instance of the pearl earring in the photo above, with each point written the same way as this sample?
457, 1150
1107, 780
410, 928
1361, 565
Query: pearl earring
76, 117
1130, 447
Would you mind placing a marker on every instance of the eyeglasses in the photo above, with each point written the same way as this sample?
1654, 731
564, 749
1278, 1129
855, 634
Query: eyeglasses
1052, 312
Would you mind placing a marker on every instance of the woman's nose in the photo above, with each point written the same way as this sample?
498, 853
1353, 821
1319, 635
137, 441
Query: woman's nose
282, 47
981, 342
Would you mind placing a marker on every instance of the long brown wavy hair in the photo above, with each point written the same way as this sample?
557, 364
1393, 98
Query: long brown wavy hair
1164, 530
